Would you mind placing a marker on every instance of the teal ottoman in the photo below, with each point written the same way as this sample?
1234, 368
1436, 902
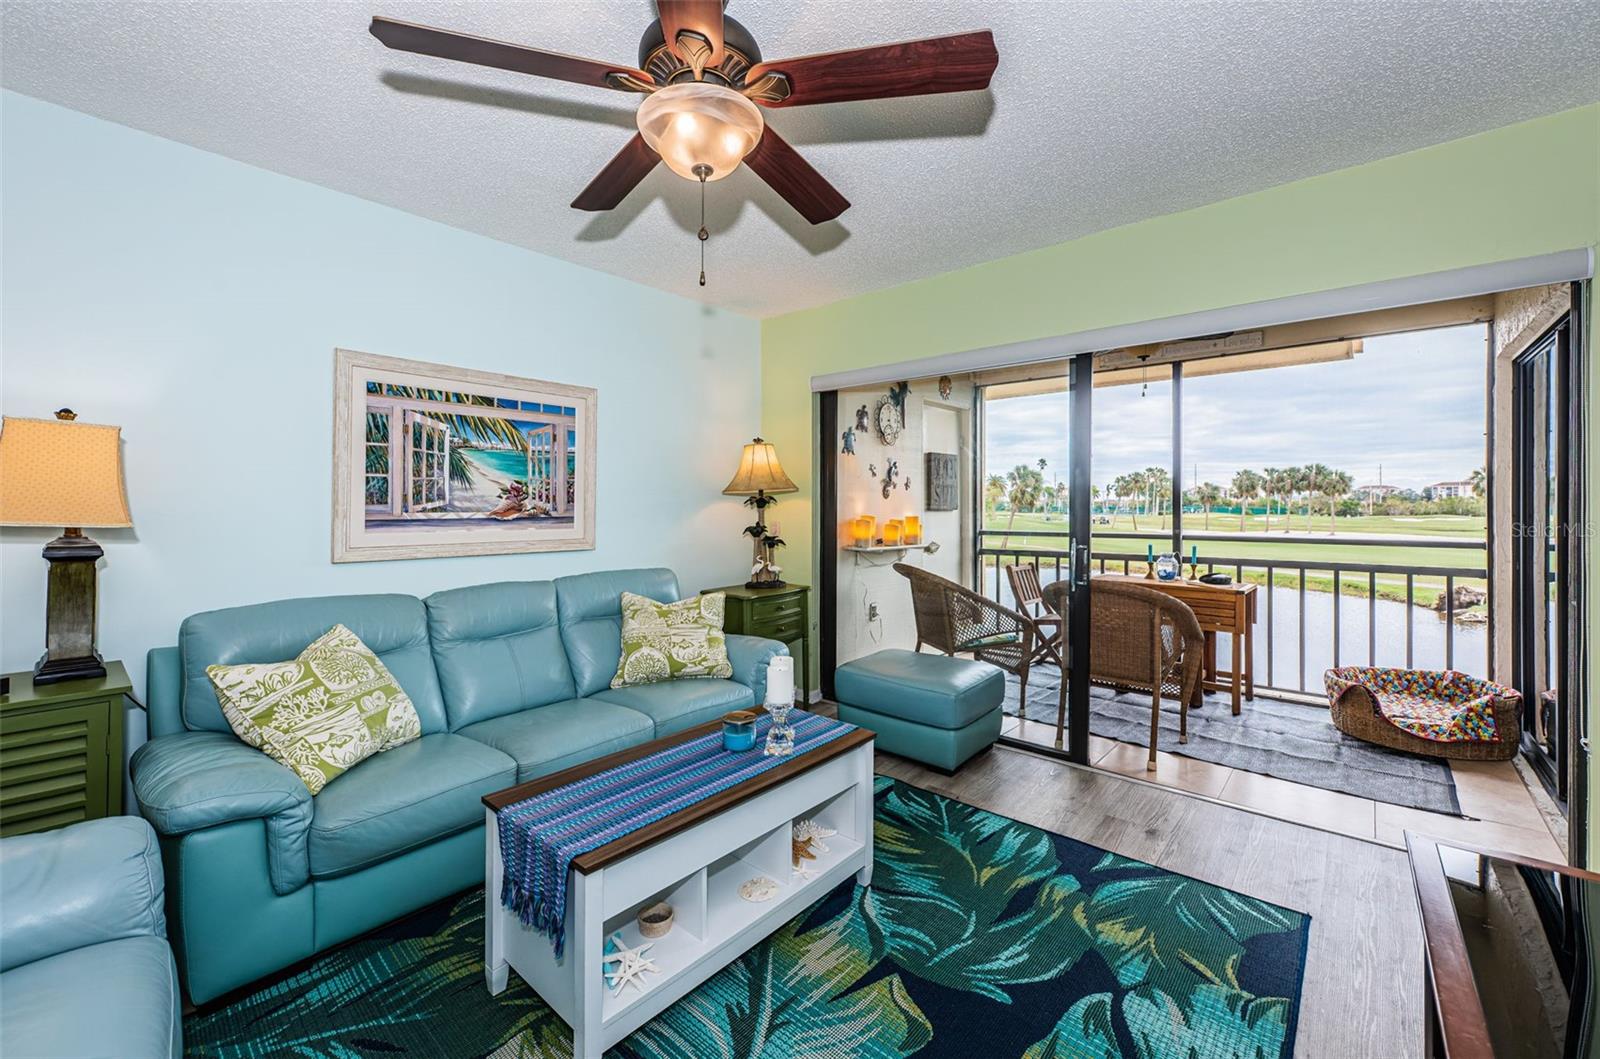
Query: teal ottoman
931, 708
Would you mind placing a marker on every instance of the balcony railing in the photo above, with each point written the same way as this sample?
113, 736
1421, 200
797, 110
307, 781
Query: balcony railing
1321, 628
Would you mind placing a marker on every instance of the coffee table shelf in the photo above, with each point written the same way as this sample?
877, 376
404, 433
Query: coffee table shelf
710, 854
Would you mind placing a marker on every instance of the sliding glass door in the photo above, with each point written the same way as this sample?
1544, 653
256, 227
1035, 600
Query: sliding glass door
1541, 557
1033, 546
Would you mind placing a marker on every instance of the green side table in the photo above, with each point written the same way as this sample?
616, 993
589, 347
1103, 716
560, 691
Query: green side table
780, 614
61, 751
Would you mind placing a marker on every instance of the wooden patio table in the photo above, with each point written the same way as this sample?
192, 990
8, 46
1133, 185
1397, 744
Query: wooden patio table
1219, 608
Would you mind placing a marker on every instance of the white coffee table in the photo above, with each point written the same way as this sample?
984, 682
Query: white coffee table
695, 860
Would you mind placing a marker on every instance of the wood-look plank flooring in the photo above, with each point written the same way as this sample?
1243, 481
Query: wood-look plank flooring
1501, 811
1363, 985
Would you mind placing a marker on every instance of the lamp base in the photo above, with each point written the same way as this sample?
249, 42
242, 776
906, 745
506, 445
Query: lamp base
766, 584
54, 670
70, 611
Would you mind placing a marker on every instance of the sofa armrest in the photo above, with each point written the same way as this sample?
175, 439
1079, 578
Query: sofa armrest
195, 780
80, 885
749, 656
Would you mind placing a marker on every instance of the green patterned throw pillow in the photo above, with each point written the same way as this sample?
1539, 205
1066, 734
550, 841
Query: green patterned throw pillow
331, 708
665, 641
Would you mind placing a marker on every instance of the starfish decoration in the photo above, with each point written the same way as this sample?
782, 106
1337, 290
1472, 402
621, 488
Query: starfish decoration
631, 964
804, 872
800, 850
812, 833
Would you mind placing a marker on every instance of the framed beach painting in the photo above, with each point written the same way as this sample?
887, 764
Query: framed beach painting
431, 460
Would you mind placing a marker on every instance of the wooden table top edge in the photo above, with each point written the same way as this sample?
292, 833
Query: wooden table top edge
600, 857
1238, 588
1466, 1036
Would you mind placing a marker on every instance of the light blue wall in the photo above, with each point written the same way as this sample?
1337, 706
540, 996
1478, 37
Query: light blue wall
197, 301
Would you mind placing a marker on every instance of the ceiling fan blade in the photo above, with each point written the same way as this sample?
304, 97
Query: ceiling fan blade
703, 17
960, 63
791, 176
481, 51
620, 176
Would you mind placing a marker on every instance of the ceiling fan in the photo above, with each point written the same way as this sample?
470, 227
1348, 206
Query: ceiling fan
705, 82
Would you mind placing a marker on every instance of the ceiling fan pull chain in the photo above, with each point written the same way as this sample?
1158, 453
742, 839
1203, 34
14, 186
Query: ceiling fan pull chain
703, 171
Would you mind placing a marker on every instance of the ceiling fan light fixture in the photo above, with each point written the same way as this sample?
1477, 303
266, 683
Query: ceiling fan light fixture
696, 124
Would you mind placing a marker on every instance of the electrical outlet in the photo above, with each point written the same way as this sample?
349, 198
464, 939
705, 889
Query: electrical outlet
872, 612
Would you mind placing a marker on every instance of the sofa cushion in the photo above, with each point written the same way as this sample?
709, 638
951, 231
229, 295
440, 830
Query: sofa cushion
669, 641
106, 1001
591, 619
498, 649
395, 628
333, 706
562, 734
403, 798
934, 690
678, 704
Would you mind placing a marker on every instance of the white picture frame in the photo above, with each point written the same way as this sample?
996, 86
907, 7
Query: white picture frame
433, 460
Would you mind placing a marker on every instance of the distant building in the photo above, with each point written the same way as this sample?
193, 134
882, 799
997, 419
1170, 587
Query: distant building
1448, 490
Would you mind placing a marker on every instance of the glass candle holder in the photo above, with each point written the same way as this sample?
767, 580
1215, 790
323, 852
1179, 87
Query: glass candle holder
892, 532
911, 529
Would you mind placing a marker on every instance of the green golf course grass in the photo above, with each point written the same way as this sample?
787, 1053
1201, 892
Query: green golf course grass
1268, 544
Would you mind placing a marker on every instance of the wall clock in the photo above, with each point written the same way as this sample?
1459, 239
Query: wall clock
888, 420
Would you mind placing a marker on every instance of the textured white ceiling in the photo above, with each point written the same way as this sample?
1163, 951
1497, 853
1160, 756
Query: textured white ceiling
1100, 114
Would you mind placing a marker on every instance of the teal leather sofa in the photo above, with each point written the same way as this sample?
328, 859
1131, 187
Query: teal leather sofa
511, 681
85, 971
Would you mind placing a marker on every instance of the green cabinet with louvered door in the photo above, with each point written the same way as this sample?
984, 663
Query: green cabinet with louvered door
778, 614
61, 751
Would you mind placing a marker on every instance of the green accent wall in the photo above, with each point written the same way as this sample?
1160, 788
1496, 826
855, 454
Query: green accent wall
1526, 189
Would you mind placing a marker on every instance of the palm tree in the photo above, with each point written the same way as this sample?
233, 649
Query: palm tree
1158, 483
1334, 486
1280, 484
1480, 482
1247, 485
993, 490
1130, 487
1023, 486
1208, 496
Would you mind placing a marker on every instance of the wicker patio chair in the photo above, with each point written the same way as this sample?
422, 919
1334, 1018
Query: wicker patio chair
1046, 623
1143, 639
1353, 707
957, 620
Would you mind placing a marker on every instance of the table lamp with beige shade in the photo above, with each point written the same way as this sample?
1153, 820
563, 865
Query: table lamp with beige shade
759, 475
59, 472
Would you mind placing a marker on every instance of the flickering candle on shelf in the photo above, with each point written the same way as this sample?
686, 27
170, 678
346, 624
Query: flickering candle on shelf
891, 532
780, 680
912, 529
865, 526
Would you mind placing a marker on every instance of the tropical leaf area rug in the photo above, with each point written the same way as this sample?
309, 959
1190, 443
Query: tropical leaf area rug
979, 936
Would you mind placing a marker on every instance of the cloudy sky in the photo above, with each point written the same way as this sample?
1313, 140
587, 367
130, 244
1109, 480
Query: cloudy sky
1412, 404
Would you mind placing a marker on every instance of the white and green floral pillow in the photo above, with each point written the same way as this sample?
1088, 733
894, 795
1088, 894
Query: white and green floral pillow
331, 708
665, 641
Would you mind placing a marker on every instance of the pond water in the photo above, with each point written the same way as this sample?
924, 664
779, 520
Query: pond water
1428, 628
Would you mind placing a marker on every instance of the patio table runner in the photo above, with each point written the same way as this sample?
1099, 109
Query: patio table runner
540, 836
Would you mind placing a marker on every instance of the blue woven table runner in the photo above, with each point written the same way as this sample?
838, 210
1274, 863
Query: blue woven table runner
540, 836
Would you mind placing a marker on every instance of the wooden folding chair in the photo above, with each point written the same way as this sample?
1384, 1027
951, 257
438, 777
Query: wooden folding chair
1031, 605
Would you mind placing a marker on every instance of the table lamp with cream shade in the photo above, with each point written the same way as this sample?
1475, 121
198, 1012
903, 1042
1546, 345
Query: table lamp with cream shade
59, 472
760, 475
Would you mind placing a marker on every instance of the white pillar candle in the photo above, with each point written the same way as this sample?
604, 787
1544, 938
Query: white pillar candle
780, 679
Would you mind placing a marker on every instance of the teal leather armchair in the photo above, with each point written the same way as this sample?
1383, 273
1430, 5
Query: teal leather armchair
85, 970
511, 681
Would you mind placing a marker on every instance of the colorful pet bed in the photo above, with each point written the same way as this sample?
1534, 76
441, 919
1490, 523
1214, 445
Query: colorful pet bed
1438, 714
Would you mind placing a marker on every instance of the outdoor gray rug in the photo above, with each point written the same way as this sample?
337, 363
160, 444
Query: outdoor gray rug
1282, 739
